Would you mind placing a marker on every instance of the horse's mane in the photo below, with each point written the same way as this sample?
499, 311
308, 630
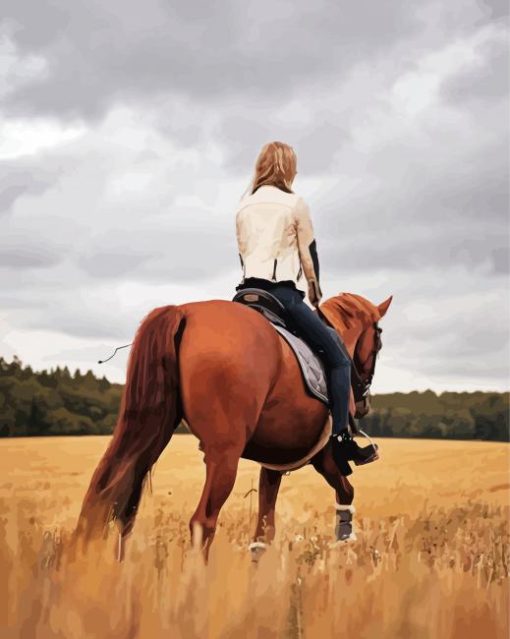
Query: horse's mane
348, 307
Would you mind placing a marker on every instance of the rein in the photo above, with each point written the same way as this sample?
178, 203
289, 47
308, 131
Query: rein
360, 386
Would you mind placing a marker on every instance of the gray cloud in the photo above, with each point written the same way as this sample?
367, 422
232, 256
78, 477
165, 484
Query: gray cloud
487, 80
407, 183
22, 256
111, 263
496, 8
448, 325
77, 311
161, 255
98, 54
17, 181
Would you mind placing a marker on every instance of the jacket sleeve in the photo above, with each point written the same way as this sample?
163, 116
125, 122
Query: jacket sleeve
241, 241
307, 246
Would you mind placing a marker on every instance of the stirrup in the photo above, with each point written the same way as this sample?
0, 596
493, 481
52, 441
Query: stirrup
372, 443
345, 437
375, 456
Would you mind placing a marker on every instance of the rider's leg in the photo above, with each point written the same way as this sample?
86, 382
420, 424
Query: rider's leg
338, 367
338, 364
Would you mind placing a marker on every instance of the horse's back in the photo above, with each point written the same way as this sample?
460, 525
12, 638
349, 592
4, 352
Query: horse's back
230, 334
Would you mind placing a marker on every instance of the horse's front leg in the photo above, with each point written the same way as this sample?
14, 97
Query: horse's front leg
324, 464
269, 484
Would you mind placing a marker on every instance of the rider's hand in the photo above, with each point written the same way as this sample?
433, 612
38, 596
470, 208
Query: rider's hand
314, 293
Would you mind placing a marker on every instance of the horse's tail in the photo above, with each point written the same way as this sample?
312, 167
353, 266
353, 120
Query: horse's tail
149, 412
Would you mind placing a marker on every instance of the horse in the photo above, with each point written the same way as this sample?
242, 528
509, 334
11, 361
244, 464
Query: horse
222, 368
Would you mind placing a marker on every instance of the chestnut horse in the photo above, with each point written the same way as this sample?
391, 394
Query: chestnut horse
223, 368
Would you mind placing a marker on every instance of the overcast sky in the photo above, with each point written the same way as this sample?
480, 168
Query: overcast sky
128, 132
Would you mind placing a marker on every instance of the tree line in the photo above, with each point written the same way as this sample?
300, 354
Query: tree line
475, 415
57, 402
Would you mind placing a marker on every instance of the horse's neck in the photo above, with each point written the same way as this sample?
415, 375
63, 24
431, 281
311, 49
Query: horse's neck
349, 330
349, 338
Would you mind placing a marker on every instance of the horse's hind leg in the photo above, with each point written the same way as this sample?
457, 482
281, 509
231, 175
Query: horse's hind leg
269, 485
221, 469
324, 464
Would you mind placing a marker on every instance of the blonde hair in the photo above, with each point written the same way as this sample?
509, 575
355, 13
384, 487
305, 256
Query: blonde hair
275, 166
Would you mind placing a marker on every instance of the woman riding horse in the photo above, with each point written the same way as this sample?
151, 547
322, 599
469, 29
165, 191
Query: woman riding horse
277, 247
195, 362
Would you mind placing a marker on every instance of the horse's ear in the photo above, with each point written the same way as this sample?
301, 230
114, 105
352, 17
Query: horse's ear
383, 306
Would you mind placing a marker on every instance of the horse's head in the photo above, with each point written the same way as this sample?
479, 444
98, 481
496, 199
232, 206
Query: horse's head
356, 320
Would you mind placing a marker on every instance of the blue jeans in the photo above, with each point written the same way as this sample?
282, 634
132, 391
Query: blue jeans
316, 334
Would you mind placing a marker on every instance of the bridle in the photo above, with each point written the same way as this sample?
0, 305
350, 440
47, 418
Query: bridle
361, 383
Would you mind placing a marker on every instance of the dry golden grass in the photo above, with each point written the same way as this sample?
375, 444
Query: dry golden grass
432, 559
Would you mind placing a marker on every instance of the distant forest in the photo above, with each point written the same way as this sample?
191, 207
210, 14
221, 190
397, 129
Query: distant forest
60, 403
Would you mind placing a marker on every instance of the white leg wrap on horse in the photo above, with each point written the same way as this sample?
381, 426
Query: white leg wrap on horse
343, 523
257, 550
350, 508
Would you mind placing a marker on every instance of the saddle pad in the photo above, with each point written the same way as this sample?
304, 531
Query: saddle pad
311, 366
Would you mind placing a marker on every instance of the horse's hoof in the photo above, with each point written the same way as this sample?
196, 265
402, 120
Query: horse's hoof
257, 549
344, 541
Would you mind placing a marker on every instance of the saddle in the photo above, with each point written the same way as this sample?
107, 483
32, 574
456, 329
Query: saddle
312, 368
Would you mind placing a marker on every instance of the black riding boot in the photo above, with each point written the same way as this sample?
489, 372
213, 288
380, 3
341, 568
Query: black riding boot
345, 449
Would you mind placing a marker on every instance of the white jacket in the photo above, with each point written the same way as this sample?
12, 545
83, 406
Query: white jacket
276, 240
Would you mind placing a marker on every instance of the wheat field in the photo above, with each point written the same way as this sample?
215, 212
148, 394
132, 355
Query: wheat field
431, 560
